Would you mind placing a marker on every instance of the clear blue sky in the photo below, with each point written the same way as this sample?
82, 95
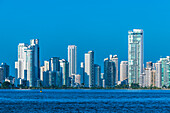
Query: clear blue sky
99, 25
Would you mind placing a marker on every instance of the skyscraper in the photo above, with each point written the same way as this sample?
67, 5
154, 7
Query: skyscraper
115, 60
55, 64
109, 73
123, 70
82, 74
4, 72
158, 74
28, 62
46, 65
2, 77
64, 69
97, 75
42, 72
34, 43
165, 64
135, 55
89, 69
72, 59
6, 69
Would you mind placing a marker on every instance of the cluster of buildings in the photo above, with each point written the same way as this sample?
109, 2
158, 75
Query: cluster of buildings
57, 72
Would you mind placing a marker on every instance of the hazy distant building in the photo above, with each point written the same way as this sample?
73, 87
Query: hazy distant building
135, 55
89, 69
123, 70
72, 59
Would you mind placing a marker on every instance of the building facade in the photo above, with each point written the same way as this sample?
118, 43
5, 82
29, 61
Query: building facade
123, 70
89, 69
72, 59
135, 55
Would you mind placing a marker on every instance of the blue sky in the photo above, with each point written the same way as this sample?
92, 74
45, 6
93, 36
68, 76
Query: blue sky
99, 25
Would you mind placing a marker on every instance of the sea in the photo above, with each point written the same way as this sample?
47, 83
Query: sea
84, 100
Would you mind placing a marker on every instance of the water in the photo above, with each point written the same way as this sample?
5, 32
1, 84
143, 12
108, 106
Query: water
85, 101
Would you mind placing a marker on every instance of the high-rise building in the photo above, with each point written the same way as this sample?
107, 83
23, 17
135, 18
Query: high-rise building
46, 65
82, 74
6, 69
165, 64
52, 78
64, 69
34, 43
135, 55
89, 69
42, 69
2, 77
115, 60
77, 80
109, 73
31, 78
97, 75
123, 70
72, 59
28, 68
22, 64
55, 64
158, 74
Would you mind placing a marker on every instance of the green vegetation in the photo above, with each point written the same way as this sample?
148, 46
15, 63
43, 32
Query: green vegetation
7, 85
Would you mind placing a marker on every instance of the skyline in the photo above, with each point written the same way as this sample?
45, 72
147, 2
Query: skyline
106, 23
56, 71
78, 64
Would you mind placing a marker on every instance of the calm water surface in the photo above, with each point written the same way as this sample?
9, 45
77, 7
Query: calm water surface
85, 101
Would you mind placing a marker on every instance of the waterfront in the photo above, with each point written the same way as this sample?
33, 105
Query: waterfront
79, 100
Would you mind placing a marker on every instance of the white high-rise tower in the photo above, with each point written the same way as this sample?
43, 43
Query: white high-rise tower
27, 66
89, 69
72, 59
135, 55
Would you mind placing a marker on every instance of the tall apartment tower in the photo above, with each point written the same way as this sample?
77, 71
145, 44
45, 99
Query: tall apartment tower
34, 43
4, 72
89, 69
82, 74
123, 70
115, 60
97, 75
165, 71
109, 73
135, 55
55, 64
64, 69
158, 74
72, 59
27, 66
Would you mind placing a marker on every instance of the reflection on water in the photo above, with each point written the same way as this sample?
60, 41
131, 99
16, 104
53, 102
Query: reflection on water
85, 101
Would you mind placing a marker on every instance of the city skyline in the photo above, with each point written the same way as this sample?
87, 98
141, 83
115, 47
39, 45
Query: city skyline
82, 23
78, 65
59, 72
